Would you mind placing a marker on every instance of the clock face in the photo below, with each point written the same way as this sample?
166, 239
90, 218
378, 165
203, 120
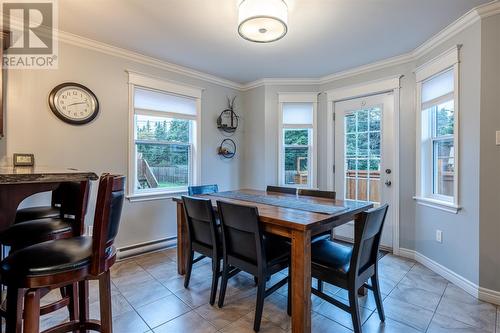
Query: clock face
73, 103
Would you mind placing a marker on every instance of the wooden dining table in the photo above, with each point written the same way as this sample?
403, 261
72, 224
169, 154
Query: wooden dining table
295, 217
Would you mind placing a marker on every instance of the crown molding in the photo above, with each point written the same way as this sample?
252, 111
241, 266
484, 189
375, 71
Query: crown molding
462, 23
91, 44
466, 20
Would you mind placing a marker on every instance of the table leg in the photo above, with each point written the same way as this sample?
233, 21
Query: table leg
301, 281
182, 240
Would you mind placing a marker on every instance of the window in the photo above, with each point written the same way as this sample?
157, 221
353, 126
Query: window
297, 128
164, 135
437, 142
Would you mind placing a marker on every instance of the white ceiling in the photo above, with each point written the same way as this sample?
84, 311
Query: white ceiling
324, 37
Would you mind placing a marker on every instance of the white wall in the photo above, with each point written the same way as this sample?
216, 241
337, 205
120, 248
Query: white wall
102, 146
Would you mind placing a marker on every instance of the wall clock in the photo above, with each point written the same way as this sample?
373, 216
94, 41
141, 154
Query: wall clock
73, 103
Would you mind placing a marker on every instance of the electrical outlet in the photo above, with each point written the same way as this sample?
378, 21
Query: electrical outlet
498, 138
439, 236
90, 230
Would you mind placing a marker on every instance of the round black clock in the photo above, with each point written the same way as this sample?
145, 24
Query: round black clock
73, 103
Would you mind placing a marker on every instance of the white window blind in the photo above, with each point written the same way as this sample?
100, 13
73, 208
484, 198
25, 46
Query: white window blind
438, 89
297, 113
151, 100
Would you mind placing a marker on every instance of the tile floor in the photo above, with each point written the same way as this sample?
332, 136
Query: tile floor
148, 296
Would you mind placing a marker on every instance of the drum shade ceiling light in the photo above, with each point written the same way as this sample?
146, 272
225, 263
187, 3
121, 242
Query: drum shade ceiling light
263, 21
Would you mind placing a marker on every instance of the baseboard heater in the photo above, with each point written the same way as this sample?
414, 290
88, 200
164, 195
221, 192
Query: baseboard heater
141, 248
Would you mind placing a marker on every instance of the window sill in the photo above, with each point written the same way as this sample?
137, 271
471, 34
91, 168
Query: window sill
438, 204
154, 196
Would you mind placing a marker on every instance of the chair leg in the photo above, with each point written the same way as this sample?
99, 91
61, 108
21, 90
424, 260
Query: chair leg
189, 267
320, 285
72, 293
105, 302
378, 297
354, 307
13, 322
259, 306
223, 285
32, 311
83, 302
215, 279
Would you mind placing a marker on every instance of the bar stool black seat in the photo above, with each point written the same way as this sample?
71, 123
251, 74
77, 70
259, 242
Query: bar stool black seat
34, 213
351, 267
204, 235
74, 199
246, 249
53, 264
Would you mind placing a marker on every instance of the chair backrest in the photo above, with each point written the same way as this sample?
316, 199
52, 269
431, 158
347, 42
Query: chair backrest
200, 218
203, 189
318, 193
369, 227
108, 211
281, 189
242, 236
73, 198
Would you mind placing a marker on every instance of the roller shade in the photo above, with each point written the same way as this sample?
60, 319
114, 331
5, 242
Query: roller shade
438, 88
297, 113
152, 100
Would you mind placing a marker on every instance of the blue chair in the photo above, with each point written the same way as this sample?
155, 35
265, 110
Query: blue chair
203, 189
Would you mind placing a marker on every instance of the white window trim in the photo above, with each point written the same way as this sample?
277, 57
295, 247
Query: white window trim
140, 80
298, 98
447, 60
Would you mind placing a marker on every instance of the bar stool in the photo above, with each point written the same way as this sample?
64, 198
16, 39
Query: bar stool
62, 262
34, 213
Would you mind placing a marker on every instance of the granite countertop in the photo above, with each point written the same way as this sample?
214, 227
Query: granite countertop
18, 175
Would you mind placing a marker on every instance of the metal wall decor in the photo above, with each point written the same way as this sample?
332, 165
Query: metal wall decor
228, 119
227, 148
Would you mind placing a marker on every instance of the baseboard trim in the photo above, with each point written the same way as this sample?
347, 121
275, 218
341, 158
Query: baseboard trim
141, 248
484, 294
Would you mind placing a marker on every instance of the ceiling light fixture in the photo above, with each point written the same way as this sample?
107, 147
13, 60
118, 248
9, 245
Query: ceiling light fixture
263, 21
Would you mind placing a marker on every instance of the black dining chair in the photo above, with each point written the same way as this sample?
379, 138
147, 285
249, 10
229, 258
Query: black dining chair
245, 248
204, 237
351, 267
203, 189
317, 193
281, 189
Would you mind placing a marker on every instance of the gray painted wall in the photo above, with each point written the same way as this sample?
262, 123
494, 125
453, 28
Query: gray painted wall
418, 224
490, 154
102, 146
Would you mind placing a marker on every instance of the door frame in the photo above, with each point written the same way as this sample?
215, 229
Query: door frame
386, 85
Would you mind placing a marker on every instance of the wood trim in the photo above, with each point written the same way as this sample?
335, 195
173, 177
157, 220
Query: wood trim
5, 43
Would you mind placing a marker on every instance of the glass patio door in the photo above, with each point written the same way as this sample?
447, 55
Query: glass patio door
364, 155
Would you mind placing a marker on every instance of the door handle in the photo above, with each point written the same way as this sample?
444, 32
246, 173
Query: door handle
388, 183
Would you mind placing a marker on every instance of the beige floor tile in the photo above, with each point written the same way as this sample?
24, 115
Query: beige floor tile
444, 324
129, 322
152, 260
196, 294
340, 316
367, 301
421, 278
275, 307
162, 310
144, 293
460, 306
245, 325
412, 315
189, 322
119, 305
323, 324
416, 296
231, 312
374, 325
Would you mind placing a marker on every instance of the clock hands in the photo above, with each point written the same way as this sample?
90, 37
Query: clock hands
76, 103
